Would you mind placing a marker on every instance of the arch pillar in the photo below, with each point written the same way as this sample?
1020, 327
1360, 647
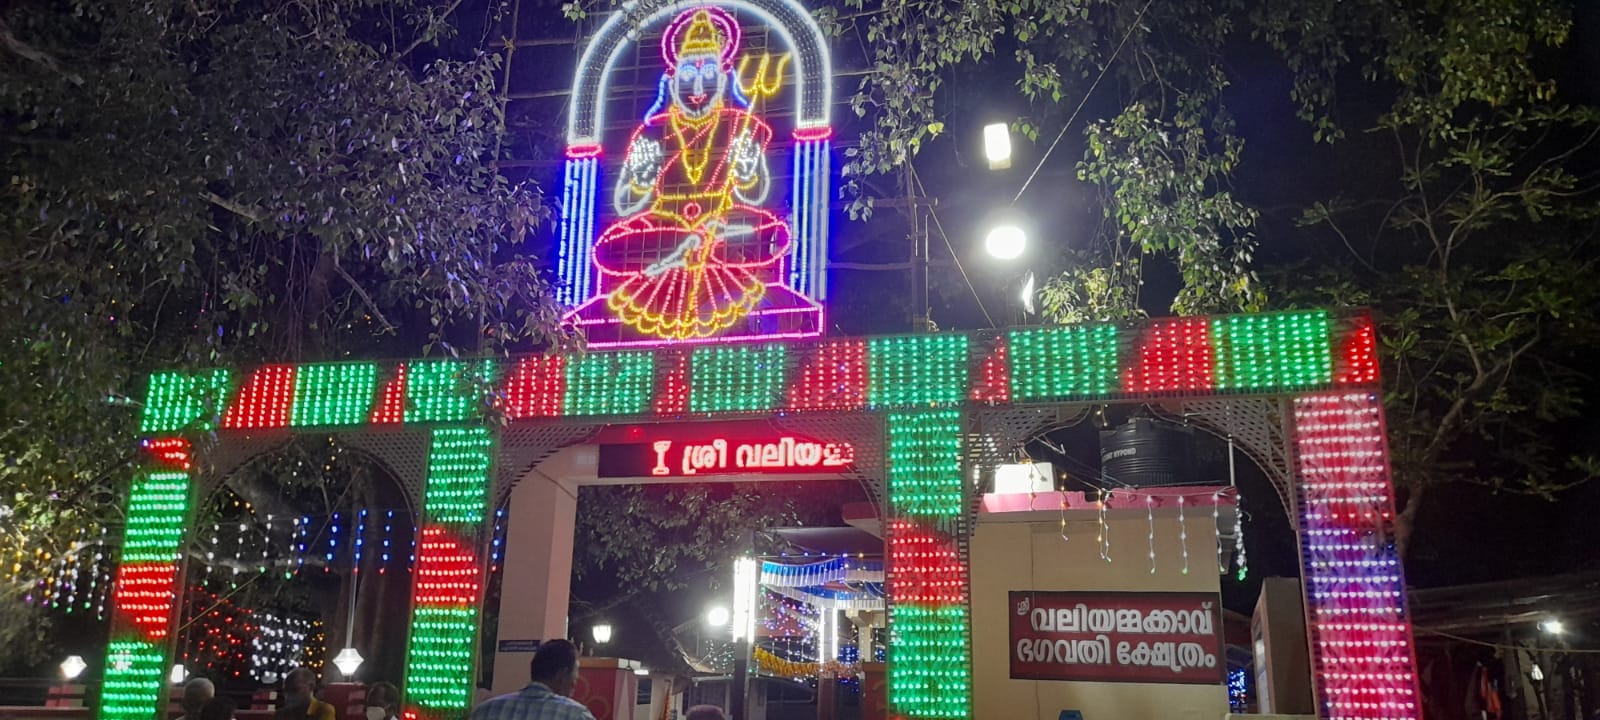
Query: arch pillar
535, 585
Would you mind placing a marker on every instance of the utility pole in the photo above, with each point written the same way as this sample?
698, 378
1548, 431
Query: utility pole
916, 209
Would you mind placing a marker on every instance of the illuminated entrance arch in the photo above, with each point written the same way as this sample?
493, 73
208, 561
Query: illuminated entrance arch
705, 219
946, 405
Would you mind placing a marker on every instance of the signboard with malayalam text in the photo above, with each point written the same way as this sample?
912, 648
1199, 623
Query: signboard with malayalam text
678, 456
1117, 637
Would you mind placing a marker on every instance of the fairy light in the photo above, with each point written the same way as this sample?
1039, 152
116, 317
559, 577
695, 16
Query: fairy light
175, 401
1363, 657
1183, 535
993, 384
446, 390
391, 406
333, 394
1274, 351
928, 580
1150, 516
611, 383
917, 371
1173, 356
1105, 535
833, 376
536, 387
735, 378
1063, 363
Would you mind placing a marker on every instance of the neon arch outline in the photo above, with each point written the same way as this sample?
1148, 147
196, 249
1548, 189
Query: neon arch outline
815, 86
806, 271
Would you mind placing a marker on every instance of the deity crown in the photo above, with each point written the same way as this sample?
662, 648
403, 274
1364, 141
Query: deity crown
702, 37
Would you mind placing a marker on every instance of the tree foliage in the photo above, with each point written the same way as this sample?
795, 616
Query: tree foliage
1477, 246
1469, 230
1161, 161
218, 183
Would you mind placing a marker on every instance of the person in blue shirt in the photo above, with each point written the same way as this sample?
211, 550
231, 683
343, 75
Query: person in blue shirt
554, 673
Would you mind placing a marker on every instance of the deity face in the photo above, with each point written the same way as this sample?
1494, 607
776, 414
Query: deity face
698, 84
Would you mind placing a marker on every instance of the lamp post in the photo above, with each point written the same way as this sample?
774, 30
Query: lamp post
746, 583
997, 145
601, 633
72, 667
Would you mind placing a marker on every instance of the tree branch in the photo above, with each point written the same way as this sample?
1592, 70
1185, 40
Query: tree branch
31, 53
429, 33
366, 299
248, 213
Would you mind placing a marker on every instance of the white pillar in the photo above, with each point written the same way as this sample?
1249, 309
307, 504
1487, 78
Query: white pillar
535, 586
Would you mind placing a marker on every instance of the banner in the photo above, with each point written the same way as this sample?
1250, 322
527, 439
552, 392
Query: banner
1117, 637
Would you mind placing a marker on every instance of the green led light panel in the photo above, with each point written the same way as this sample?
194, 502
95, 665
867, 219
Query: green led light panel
458, 475
929, 672
1064, 362
615, 383
447, 390
134, 678
916, 371
333, 394
439, 671
737, 378
158, 507
925, 464
1271, 352
175, 401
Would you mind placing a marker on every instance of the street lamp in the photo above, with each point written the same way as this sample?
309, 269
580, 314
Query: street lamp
348, 661
602, 633
718, 617
178, 674
1553, 626
1005, 242
997, 145
72, 667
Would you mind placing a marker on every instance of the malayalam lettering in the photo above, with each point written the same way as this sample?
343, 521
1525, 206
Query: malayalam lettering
1116, 637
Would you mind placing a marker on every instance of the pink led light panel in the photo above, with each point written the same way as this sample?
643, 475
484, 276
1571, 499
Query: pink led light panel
1364, 660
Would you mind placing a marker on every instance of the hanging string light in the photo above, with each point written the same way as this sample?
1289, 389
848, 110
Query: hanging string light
1150, 516
1183, 535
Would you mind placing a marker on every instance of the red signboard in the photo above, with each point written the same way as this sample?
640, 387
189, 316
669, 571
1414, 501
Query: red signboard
779, 454
1117, 637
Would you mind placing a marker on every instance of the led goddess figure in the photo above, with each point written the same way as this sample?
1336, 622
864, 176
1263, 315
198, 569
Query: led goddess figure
692, 250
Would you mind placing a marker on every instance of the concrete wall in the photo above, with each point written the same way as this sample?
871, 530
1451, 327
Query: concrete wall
1024, 551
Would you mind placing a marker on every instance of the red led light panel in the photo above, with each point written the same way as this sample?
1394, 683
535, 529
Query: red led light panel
391, 406
1174, 355
833, 376
264, 400
536, 387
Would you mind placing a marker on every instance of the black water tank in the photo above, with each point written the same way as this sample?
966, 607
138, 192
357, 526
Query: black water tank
1148, 453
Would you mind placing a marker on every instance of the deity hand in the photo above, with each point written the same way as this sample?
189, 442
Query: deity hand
746, 155
678, 258
643, 162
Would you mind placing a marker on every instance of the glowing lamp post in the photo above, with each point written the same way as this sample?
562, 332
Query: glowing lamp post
601, 633
1005, 242
72, 667
348, 661
997, 145
746, 585
718, 617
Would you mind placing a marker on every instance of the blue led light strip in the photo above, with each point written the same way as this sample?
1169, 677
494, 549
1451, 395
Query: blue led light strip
591, 174
565, 294
819, 223
577, 229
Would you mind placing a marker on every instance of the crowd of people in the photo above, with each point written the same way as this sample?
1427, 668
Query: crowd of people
553, 676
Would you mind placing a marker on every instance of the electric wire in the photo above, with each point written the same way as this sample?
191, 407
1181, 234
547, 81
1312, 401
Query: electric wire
1081, 101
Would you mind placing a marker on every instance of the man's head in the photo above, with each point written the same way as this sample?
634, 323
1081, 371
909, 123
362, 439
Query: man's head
195, 694
705, 712
555, 666
298, 687
382, 696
